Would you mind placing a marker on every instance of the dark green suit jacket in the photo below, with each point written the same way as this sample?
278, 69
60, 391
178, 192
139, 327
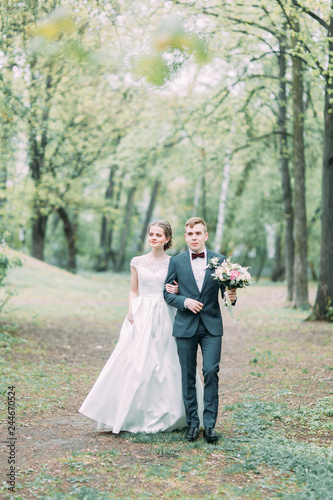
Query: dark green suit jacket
186, 322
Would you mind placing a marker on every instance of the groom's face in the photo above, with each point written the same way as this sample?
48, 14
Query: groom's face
196, 237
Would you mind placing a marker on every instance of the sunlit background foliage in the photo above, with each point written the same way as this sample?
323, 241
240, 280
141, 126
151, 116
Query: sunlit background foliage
114, 114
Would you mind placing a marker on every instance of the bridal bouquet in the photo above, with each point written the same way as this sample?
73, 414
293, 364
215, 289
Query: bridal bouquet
231, 275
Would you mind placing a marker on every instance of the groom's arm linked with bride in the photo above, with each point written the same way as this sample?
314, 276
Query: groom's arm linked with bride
198, 321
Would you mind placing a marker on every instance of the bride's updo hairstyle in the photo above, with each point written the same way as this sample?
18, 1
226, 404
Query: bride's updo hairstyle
166, 226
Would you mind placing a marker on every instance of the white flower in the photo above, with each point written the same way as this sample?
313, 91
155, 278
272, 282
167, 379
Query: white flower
213, 263
230, 274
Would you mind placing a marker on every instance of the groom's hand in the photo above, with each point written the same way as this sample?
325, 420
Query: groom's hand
232, 295
193, 305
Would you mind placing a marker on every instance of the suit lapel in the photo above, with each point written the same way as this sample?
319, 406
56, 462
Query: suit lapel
188, 268
208, 271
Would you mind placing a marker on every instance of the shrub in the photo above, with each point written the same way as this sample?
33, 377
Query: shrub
7, 260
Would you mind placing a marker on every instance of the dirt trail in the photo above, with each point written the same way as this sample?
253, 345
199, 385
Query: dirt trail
44, 438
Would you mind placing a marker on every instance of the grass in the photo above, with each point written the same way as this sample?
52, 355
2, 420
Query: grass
44, 290
310, 465
265, 457
275, 420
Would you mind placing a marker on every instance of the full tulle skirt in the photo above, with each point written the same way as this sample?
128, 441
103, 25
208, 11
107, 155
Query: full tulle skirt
139, 388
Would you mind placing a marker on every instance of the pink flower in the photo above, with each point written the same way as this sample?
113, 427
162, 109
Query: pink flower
234, 275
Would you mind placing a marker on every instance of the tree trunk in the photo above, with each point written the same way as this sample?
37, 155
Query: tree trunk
151, 206
232, 206
70, 230
204, 211
200, 192
285, 175
110, 255
325, 286
38, 235
263, 257
126, 227
278, 268
101, 266
313, 271
103, 259
3, 182
196, 197
39, 220
36, 166
222, 204
300, 262
5, 154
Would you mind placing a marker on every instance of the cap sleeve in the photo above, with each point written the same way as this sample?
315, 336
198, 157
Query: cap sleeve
134, 262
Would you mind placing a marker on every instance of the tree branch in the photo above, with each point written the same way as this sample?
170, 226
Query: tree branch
311, 14
256, 139
293, 27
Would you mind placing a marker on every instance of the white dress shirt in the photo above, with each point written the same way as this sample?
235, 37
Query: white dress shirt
199, 266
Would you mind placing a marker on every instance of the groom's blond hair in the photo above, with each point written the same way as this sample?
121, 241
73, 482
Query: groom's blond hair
195, 220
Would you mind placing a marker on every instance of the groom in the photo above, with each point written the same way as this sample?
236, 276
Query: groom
198, 322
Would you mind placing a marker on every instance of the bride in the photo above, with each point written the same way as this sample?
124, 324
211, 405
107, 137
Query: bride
139, 388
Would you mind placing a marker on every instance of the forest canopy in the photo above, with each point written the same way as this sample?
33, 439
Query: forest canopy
114, 114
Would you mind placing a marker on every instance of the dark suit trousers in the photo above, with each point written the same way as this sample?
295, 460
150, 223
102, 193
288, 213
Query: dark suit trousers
211, 354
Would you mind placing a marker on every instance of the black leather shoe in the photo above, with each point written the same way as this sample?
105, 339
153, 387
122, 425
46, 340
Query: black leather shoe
192, 434
210, 435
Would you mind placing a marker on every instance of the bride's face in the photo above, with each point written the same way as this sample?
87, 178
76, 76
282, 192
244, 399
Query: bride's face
156, 237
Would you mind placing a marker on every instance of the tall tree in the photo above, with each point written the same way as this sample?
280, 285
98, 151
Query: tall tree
150, 209
300, 258
222, 202
285, 174
105, 236
125, 229
70, 229
324, 296
251, 22
38, 124
310, 50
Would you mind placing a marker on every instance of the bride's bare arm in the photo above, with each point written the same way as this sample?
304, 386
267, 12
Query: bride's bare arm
134, 292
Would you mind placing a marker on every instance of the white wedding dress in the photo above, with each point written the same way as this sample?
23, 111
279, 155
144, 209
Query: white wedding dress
139, 388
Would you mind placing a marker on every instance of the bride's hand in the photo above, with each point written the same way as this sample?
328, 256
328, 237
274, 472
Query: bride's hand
130, 317
174, 289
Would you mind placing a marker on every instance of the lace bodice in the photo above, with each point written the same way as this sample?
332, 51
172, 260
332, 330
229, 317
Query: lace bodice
151, 274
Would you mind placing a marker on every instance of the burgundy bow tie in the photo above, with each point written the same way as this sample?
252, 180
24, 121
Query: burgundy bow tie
201, 255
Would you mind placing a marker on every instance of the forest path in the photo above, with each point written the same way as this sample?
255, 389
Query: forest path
84, 348
269, 354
